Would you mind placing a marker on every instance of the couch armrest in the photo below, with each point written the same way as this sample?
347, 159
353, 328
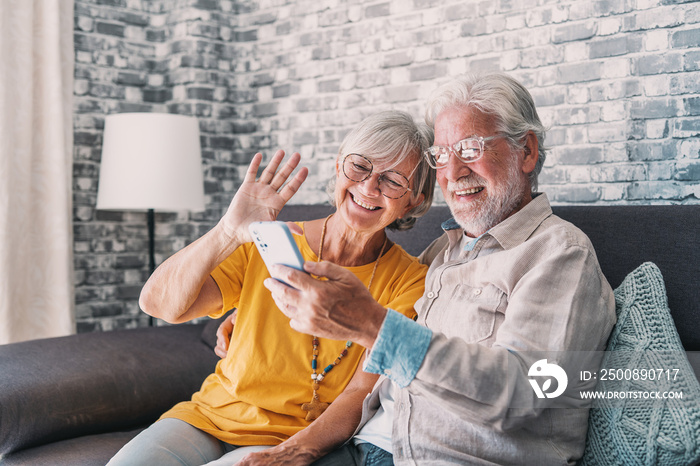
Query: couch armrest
66, 387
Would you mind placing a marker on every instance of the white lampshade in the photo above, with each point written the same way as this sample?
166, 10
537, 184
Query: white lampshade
151, 161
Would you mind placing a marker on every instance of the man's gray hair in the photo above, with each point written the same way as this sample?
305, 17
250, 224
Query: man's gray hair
500, 96
390, 137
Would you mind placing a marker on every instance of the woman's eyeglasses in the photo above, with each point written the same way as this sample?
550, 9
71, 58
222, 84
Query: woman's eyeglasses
392, 184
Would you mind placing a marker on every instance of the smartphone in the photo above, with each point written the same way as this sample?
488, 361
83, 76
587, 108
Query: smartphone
276, 245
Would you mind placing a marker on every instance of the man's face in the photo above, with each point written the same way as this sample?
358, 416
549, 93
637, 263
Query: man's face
485, 192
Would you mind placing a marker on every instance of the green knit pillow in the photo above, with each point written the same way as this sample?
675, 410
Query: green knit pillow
645, 431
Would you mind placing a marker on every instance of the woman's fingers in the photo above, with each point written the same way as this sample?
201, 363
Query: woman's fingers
276, 179
286, 170
269, 171
295, 229
293, 186
252, 171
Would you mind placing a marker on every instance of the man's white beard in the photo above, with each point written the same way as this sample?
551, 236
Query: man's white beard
501, 200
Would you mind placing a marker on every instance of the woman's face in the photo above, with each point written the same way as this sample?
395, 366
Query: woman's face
362, 204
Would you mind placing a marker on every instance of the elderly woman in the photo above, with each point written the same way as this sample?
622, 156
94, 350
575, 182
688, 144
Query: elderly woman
275, 389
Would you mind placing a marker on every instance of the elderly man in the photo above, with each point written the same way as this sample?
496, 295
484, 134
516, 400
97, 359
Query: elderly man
508, 282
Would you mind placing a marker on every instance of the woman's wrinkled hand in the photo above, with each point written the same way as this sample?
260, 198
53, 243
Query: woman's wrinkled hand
277, 456
260, 200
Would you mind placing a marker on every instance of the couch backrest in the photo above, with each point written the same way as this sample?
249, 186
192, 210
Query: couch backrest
669, 236
623, 236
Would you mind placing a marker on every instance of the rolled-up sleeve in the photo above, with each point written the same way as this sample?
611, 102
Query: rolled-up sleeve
399, 349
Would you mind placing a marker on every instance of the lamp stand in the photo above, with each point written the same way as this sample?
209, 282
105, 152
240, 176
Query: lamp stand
151, 251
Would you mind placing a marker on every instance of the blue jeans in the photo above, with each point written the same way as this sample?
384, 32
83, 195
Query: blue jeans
362, 454
172, 442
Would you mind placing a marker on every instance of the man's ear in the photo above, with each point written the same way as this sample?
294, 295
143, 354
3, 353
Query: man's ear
531, 153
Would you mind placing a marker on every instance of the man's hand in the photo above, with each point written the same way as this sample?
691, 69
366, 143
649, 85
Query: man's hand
223, 335
339, 308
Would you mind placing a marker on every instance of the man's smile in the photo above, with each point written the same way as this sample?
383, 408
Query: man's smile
466, 192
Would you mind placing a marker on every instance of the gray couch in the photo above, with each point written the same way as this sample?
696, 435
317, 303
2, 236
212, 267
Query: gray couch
76, 400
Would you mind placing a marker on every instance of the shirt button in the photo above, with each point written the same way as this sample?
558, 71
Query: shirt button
477, 292
387, 372
431, 295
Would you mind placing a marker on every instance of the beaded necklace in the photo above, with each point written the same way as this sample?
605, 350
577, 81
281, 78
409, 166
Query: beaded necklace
316, 407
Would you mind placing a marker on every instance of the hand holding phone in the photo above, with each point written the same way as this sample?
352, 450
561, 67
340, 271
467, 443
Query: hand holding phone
276, 245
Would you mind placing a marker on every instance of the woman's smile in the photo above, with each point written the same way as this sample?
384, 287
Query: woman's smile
362, 204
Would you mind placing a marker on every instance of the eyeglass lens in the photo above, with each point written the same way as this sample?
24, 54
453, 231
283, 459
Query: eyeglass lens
467, 150
391, 184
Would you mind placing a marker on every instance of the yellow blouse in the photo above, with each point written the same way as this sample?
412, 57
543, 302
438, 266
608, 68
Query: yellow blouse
254, 397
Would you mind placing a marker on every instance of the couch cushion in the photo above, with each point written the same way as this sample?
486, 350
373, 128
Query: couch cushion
96, 382
89, 450
643, 431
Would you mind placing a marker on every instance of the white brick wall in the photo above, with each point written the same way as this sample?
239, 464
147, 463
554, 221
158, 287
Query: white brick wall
621, 77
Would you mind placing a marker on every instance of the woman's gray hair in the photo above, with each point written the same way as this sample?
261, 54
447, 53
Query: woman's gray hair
500, 96
389, 138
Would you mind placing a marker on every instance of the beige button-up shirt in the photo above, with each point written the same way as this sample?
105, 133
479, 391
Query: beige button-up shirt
530, 284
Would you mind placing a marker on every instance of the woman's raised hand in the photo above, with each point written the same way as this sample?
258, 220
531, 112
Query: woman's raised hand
262, 199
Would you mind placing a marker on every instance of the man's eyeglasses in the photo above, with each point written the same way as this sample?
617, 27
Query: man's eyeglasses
392, 184
467, 150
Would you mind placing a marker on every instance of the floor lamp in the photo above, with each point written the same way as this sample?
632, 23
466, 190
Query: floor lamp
151, 161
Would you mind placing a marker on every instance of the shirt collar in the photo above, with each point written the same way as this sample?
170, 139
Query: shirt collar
514, 230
